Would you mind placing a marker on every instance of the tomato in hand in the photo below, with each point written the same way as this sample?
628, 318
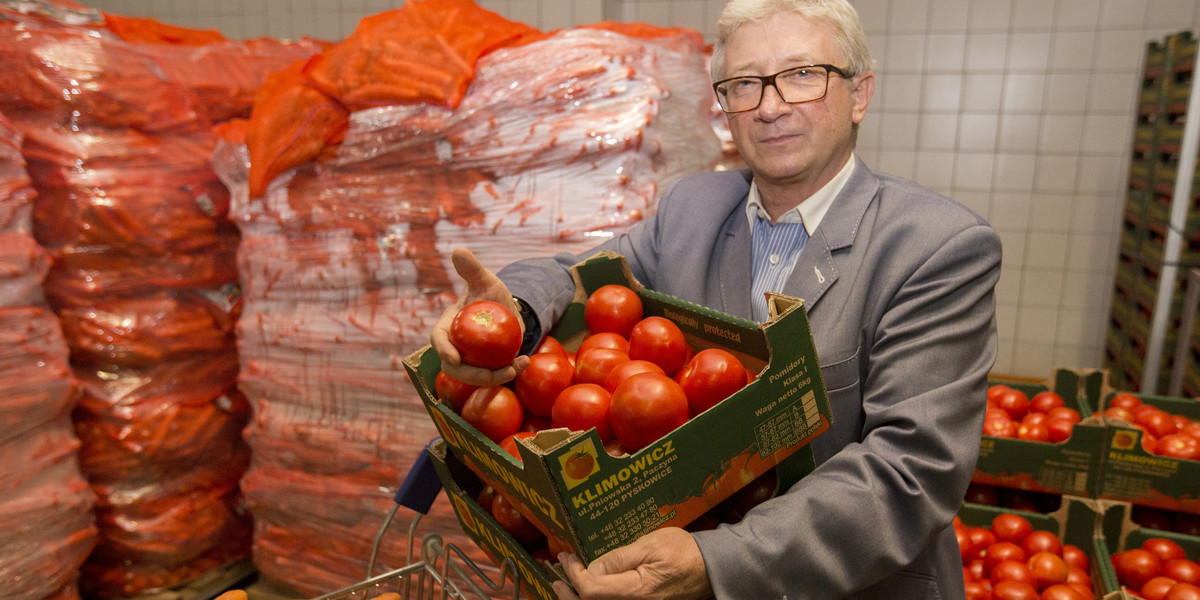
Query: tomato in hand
645, 407
660, 341
711, 376
486, 334
613, 308
582, 407
547, 375
494, 411
452, 391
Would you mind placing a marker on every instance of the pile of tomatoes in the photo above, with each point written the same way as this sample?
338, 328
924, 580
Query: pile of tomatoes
633, 378
1158, 570
1009, 560
1013, 414
1163, 433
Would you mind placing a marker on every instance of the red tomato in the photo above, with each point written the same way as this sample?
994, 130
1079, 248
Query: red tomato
659, 341
594, 365
1044, 401
1182, 569
1134, 567
1033, 432
1124, 400
1158, 422
511, 519
1192, 429
486, 334
977, 591
547, 375
534, 423
549, 345
1003, 427
979, 539
1041, 541
978, 493
1064, 412
1011, 527
1076, 557
1012, 570
645, 407
1086, 592
1118, 412
1183, 591
1000, 552
711, 376
509, 444
1079, 576
614, 308
1178, 445
1061, 592
1048, 569
1163, 548
604, 340
1156, 588
994, 391
582, 407
1014, 402
494, 411
452, 391
1013, 590
1034, 418
1059, 430
622, 372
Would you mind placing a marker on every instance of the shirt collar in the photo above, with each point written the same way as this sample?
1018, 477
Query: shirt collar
811, 210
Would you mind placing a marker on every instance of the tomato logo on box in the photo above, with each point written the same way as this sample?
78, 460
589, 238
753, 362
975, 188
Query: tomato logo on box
579, 464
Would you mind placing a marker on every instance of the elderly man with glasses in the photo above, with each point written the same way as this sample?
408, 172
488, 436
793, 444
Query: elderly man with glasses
899, 286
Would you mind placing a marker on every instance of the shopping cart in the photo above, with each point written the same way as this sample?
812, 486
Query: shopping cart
440, 570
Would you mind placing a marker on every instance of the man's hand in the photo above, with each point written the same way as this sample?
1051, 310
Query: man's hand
482, 284
664, 564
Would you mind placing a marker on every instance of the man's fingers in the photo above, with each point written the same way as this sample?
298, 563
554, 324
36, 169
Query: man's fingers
469, 268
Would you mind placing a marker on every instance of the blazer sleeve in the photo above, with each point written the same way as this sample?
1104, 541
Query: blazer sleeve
878, 504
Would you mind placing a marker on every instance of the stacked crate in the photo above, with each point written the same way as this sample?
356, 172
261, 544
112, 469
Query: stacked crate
1162, 109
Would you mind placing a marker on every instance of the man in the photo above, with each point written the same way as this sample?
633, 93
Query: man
898, 283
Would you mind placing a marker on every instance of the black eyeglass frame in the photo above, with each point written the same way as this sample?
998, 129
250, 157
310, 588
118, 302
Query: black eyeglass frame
769, 80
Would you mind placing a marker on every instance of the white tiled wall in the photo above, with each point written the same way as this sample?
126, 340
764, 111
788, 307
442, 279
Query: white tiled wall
1021, 109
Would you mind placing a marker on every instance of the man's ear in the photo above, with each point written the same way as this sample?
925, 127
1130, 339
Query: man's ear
864, 88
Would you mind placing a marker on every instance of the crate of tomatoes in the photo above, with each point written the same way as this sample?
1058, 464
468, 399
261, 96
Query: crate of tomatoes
1151, 451
1024, 555
1147, 563
664, 414
1042, 437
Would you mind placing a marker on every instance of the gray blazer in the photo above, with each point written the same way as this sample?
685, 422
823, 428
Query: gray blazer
898, 283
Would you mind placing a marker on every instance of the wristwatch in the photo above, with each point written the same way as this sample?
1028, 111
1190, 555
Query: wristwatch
533, 327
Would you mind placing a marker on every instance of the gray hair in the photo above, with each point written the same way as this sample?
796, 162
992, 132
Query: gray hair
851, 41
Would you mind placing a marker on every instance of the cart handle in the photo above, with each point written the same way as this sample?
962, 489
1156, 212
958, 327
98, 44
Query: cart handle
421, 486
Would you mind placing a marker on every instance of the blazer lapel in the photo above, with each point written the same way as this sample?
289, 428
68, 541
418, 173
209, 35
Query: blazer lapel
815, 269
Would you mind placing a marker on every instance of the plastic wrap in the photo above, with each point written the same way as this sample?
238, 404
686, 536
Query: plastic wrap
46, 522
344, 263
117, 116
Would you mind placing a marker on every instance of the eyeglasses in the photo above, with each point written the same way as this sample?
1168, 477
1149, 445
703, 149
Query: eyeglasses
795, 85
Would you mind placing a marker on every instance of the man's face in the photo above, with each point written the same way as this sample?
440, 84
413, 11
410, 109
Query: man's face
794, 143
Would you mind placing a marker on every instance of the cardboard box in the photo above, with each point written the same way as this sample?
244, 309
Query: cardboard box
685, 473
1117, 532
1070, 467
1074, 522
462, 488
1128, 473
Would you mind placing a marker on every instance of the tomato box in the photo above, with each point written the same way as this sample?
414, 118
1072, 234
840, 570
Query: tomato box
678, 478
1117, 532
1075, 522
1129, 473
1071, 466
462, 487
